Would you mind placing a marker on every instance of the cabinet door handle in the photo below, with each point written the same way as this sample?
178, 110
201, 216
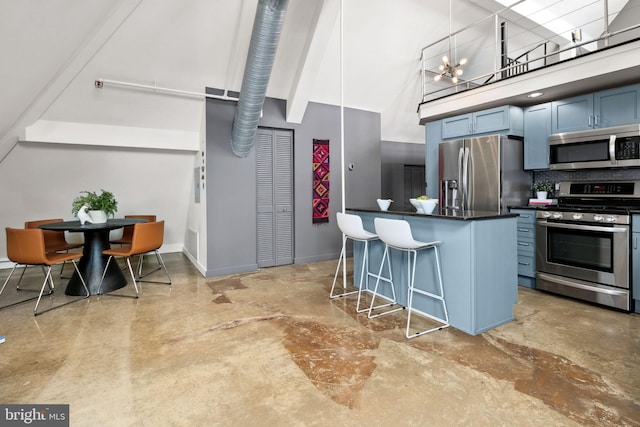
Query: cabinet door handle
635, 243
524, 230
525, 216
590, 116
523, 244
596, 120
524, 263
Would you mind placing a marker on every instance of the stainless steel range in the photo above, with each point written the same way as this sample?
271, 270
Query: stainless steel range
583, 243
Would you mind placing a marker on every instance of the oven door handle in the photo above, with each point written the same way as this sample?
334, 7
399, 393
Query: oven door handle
544, 223
612, 149
585, 287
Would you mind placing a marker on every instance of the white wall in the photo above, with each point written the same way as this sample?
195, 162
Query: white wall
195, 234
40, 180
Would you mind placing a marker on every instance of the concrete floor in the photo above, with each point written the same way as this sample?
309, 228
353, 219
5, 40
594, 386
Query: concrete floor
270, 349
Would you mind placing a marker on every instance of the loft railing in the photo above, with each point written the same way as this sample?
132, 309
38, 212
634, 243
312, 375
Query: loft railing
519, 65
512, 57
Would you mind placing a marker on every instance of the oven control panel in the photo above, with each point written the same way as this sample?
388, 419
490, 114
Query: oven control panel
604, 218
602, 188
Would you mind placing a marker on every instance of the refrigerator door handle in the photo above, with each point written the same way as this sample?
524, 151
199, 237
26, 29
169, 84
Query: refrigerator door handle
460, 179
469, 173
465, 179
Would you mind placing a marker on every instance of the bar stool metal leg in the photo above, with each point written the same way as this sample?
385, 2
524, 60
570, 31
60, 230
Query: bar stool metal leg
365, 268
364, 272
342, 260
389, 280
412, 289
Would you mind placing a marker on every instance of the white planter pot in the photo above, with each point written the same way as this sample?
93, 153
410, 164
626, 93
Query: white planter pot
98, 217
541, 195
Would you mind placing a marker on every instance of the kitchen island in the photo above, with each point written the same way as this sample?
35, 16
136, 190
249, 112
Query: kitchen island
479, 263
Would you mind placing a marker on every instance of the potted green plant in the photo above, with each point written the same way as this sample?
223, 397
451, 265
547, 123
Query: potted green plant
542, 189
99, 206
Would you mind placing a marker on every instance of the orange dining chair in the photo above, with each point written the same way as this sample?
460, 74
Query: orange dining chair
127, 235
27, 247
147, 237
54, 241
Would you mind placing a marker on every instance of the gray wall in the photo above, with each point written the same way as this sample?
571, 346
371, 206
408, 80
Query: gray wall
231, 188
394, 156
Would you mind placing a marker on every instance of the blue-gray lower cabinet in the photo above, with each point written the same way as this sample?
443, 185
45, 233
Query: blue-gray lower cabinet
635, 261
526, 247
479, 268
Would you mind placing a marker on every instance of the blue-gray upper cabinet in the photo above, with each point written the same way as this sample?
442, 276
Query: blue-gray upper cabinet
613, 107
506, 119
433, 136
537, 128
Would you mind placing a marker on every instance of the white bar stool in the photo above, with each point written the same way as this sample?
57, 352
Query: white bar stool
352, 228
396, 234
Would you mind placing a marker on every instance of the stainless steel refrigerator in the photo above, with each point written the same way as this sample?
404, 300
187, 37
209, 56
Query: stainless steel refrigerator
483, 173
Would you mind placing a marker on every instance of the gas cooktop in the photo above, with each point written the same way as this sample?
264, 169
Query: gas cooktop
608, 197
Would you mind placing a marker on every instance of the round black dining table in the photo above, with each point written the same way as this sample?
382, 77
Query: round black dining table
93, 262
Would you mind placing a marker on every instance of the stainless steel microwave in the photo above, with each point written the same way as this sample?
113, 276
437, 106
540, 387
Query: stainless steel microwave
614, 147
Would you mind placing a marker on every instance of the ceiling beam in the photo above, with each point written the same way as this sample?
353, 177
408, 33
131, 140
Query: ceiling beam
67, 74
316, 45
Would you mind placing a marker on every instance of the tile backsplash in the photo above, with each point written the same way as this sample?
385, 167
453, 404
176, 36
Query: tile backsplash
588, 175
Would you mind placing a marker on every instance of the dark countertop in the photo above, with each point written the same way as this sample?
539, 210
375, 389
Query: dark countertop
524, 207
441, 213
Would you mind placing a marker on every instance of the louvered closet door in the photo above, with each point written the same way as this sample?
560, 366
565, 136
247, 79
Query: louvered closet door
274, 163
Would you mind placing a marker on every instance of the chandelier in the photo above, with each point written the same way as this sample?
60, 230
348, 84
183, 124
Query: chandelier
448, 70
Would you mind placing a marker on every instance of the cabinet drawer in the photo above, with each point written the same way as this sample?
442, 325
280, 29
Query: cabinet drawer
527, 217
526, 266
526, 231
526, 247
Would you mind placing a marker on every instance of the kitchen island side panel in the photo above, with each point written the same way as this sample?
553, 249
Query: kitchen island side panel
479, 268
456, 259
495, 272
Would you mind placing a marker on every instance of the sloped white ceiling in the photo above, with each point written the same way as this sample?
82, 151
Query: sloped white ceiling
53, 50
37, 39
198, 43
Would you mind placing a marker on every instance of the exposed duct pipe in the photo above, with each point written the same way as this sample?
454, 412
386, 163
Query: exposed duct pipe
262, 51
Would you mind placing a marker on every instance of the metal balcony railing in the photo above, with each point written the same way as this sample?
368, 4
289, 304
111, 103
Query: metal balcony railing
516, 40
